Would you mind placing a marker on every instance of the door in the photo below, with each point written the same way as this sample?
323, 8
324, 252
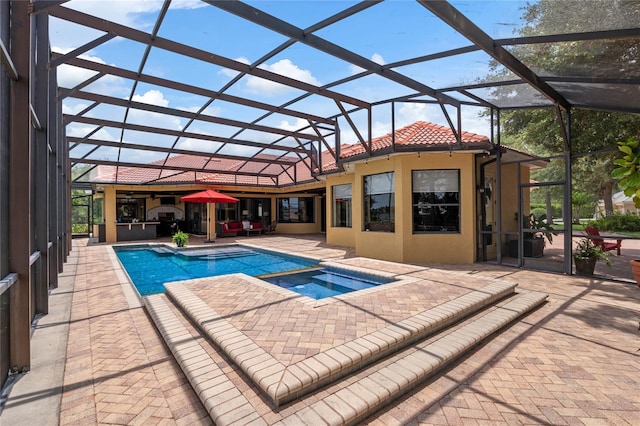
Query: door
488, 216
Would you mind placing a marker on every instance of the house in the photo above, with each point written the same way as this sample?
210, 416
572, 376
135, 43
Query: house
419, 195
621, 205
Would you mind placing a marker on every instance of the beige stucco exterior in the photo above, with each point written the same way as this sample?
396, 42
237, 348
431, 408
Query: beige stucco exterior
110, 191
403, 245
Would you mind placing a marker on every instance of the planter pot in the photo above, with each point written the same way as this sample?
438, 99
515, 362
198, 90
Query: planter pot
585, 267
532, 247
635, 268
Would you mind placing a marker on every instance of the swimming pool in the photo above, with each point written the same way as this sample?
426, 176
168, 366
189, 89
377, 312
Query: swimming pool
150, 266
327, 282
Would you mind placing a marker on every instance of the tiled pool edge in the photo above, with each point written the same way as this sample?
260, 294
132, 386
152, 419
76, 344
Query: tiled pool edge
282, 384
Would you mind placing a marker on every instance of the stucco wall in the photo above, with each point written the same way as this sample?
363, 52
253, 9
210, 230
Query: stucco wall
336, 235
440, 247
403, 245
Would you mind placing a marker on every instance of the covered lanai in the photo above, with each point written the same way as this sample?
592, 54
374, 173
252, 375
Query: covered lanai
278, 89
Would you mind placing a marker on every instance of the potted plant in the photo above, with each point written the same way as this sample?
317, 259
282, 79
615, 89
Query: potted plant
627, 172
180, 238
585, 256
533, 243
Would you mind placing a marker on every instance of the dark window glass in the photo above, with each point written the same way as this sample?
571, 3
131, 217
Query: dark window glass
342, 206
296, 210
436, 201
128, 209
379, 202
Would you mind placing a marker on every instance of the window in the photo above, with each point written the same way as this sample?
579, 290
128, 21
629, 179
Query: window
379, 202
128, 209
342, 206
436, 201
296, 210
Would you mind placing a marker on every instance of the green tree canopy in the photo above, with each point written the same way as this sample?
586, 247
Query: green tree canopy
539, 131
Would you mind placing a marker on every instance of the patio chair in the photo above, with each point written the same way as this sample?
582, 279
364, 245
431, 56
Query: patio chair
606, 246
271, 228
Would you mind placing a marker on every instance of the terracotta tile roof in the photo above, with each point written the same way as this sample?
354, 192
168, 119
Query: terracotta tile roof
225, 171
420, 133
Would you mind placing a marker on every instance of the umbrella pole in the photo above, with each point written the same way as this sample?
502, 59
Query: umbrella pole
208, 222
209, 239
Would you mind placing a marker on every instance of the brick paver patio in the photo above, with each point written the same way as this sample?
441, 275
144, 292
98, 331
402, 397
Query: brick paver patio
573, 361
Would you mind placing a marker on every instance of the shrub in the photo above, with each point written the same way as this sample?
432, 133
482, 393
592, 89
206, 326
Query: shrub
180, 238
541, 208
618, 223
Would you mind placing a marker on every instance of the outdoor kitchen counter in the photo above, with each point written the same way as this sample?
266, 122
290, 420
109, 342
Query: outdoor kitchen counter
136, 231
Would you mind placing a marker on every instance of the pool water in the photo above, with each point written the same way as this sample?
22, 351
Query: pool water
149, 267
327, 282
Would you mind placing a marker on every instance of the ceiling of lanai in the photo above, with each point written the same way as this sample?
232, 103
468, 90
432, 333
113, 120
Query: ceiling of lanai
251, 93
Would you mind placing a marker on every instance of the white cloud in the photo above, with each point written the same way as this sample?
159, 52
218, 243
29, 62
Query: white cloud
297, 125
198, 145
130, 12
379, 129
283, 67
152, 97
232, 73
213, 111
376, 57
471, 122
411, 112
73, 109
81, 130
70, 76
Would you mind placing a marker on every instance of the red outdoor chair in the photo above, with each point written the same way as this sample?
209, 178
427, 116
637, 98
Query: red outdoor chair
606, 246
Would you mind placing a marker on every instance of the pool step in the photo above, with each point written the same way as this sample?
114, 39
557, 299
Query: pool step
414, 362
216, 256
346, 282
219, 253
379, 387
162, 251
224, 402
283, 384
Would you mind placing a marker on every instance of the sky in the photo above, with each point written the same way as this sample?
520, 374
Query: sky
384, 33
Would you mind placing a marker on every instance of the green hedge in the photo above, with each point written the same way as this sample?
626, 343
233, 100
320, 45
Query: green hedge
540, 209
79, 228
618, 222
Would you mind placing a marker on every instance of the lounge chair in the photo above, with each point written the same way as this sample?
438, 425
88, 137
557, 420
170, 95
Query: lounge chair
271, 228
606, 246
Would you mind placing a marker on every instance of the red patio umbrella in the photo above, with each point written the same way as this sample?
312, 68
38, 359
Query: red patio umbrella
208, 196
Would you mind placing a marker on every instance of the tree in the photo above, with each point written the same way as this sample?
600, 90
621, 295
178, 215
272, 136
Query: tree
579, 200
538, 131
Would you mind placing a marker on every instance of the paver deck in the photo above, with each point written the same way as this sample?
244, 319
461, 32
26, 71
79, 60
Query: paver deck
573, 361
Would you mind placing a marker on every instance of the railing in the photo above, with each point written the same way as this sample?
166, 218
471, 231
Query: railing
8, 281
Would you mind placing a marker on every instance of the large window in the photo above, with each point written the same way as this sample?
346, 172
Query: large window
436, 201
128, 209
342, 206
379, 202
296, 210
